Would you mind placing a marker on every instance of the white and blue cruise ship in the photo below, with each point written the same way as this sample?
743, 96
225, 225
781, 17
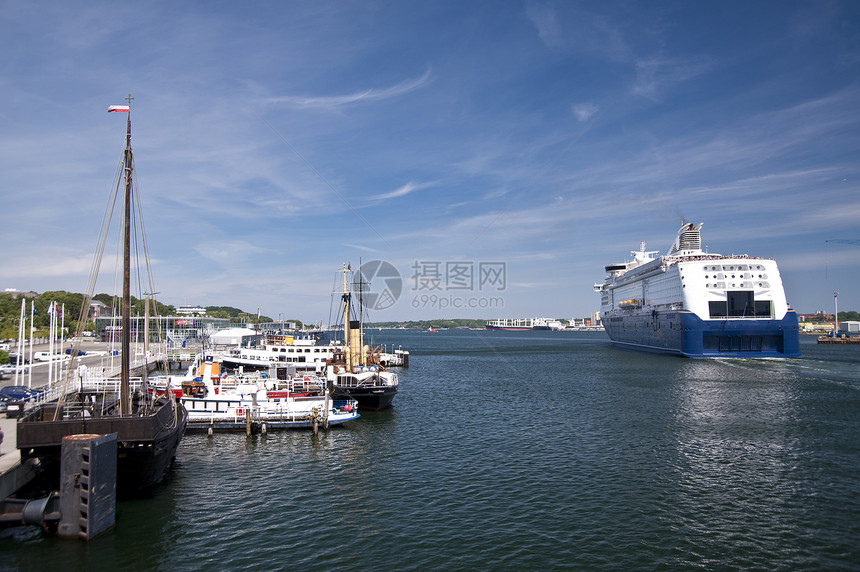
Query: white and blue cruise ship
698, 304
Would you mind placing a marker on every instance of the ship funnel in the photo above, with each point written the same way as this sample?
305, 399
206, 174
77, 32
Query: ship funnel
688, 239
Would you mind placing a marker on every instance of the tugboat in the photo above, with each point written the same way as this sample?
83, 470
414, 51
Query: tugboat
355, 371
148, 428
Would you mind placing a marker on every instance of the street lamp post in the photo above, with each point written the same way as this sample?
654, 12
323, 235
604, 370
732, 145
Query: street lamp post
836, 314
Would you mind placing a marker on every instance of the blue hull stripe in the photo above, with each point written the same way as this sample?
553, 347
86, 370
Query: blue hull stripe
686, 334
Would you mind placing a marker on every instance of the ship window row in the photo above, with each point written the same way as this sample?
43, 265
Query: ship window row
737, 285
297, 350
195, 405
739, 267
722, 276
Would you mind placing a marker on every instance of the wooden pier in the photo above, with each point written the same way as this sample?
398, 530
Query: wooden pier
842, 341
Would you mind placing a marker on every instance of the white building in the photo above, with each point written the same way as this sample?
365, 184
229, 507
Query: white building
191, 311
849, 327
233, 337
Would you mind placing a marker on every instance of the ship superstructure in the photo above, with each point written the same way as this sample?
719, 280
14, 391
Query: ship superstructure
304, 353
698, 304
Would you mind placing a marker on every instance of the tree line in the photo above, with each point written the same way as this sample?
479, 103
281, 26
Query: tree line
69, 304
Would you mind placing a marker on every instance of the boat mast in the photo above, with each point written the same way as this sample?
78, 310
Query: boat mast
346, 340
124, 402
362, 358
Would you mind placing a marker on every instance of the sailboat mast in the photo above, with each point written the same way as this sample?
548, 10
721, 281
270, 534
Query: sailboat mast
124, 401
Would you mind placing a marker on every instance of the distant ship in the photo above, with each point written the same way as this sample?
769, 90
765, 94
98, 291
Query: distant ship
517, 325
698, 304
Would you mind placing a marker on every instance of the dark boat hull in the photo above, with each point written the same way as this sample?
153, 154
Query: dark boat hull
146, 444
368, 398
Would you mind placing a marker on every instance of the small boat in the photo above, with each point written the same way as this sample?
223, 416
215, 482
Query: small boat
148, 428
355, 371
399, 358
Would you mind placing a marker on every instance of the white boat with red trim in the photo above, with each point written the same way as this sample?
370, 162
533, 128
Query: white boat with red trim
278, 398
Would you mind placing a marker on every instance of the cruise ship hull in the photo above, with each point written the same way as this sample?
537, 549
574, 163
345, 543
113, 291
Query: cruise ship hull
685, 334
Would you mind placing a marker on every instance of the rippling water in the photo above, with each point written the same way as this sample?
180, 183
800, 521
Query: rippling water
522, 450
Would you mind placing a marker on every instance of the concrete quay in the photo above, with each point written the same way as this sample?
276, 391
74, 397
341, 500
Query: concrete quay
13, 474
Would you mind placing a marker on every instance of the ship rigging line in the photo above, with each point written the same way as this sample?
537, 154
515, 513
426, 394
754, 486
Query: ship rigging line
323, 179
66, 381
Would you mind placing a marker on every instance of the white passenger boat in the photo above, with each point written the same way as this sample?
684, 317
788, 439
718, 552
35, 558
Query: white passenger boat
524, 324
698, 304
303, 353
278, 398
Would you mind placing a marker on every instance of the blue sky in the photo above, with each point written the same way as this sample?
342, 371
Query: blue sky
275, 141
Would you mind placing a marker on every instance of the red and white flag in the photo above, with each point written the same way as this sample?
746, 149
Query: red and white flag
122, 108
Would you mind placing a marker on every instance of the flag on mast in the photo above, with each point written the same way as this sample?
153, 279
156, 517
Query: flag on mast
121, 108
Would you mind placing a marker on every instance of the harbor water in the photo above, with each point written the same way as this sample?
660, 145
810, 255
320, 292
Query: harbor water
520, 450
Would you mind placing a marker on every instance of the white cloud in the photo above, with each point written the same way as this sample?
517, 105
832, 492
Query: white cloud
366, 96
546, 22
584, 111
655, 73
403, 191
360, 247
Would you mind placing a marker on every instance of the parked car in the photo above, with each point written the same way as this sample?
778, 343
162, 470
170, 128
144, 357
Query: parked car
18, 392
3, 401
8, 369
14, 409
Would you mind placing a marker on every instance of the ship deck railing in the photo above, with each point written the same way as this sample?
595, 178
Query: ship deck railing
352, 383
258, 414
99, 385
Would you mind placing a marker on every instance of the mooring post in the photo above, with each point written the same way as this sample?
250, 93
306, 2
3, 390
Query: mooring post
87, 485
